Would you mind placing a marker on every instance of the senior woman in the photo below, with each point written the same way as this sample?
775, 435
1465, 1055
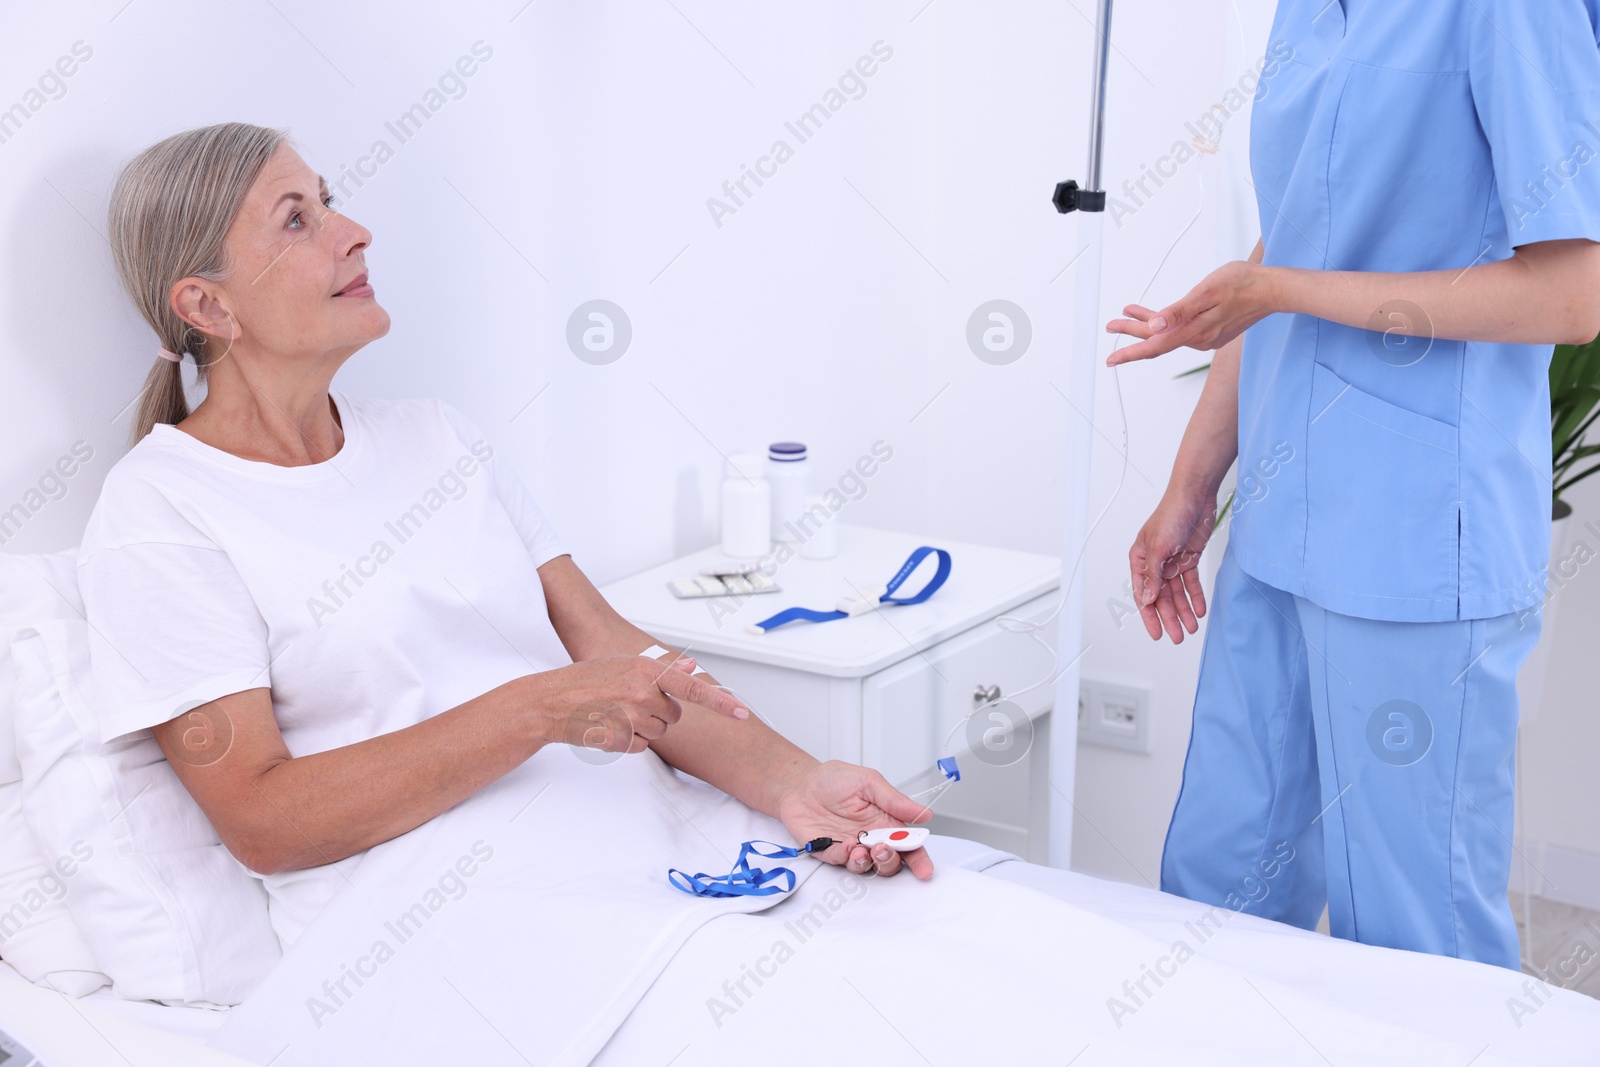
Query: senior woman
340, 616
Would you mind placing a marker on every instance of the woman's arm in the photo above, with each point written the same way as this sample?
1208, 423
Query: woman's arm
1547, 292
1165, 555
746, 759
276, 812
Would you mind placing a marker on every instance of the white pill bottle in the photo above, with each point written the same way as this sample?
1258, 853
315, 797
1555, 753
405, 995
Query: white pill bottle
790, 476
746, 507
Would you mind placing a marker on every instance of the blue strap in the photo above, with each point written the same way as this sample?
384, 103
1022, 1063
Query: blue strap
797, 615
743, 880
905, 572
809, 615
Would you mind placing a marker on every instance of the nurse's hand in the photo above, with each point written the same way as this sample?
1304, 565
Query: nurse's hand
838, 800
1163, 564
621, 703
1227, 302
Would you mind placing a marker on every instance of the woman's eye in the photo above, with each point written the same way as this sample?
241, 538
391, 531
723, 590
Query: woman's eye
297, 217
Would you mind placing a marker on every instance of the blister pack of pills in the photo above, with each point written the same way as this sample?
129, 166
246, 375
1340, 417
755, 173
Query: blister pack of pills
701, 585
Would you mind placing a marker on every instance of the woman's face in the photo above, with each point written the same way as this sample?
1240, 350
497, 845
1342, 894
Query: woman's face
292, 257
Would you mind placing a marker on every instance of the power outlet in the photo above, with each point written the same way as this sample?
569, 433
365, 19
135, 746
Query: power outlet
1114, 716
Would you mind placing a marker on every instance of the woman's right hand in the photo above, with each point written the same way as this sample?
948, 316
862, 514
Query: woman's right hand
1164, 559
622, 703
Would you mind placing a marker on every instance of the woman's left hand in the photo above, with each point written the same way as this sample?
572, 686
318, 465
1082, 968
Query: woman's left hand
1227, 302
837, 800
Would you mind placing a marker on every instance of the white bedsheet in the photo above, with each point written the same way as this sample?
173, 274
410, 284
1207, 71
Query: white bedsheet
567, 945
102, 1028
195, 1024
1019, 965
532, 916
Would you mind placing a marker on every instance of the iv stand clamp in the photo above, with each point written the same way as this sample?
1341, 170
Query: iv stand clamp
1068, 195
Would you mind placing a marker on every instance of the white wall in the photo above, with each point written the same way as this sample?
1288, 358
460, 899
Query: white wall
1559, 838
831, 307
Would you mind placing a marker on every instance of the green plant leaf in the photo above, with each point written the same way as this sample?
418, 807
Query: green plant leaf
1574, 409
1223, 514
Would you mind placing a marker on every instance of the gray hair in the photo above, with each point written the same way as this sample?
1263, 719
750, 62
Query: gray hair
170, 213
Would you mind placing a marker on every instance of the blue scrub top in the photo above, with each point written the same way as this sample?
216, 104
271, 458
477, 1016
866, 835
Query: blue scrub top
1379, 476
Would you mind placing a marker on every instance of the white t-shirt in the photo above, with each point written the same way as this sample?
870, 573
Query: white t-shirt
371, 591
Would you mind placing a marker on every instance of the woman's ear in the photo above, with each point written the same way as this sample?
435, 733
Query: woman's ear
204, 310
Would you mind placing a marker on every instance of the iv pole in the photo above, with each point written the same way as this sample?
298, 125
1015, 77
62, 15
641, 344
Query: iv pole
1090, 201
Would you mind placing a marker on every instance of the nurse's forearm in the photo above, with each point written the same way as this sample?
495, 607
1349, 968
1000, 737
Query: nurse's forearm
1546, 293
1211, 440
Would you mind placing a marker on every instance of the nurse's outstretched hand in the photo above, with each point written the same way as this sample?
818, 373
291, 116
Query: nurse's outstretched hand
838, 800
1164, 561
1227, 302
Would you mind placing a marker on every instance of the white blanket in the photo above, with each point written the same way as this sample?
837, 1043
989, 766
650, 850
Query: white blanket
533, 924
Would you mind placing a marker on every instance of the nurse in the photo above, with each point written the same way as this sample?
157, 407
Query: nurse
1429, 195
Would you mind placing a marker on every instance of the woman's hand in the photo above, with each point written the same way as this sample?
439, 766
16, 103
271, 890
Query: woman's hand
622, 703
1227, 302
838, 800
1163, 561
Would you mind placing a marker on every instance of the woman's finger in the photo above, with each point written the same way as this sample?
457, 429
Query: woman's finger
653, 727
1196, 589
1169, 615
1147, 349
1147, 590
1180, 601
920, 862
860, 859
654, 704
895, 804
695, 691
1175, 315
1152, 621
1147, 612
1129, 328
885, 861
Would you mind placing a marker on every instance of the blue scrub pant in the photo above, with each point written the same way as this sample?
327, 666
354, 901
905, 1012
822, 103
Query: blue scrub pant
1353, 762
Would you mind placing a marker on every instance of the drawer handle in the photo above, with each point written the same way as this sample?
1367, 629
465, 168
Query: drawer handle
985, 695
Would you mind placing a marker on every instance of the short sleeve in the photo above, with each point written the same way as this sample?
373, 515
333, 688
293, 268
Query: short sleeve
1535, 72
171, 626
531, 525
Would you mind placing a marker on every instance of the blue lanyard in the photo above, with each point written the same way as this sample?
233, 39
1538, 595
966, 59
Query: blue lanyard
747, 881
744, 880
849, 606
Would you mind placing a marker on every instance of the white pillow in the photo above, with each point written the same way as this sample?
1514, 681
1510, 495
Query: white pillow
168, 911
32, 588
37, 933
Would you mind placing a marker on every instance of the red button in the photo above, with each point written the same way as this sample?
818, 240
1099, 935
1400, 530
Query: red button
899, 835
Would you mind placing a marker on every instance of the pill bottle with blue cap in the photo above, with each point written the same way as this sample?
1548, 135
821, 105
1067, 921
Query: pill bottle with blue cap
790, 476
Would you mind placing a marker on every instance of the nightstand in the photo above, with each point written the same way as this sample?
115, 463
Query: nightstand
886, 688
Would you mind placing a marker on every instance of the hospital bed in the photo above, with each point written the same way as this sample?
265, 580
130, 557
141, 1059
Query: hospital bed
593, 958
534, 923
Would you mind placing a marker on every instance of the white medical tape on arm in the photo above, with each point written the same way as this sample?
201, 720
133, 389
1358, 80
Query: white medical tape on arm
656, 650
